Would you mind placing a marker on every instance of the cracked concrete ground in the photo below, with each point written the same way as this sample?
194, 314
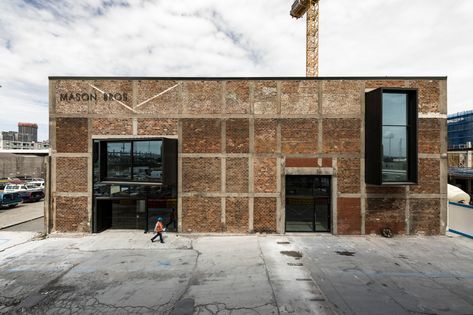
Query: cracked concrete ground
122, 272
402, 275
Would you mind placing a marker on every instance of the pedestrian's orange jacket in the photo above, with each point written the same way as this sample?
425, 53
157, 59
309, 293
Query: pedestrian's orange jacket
159, 227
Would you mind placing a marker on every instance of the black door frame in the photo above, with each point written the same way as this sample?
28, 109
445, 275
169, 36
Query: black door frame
329, 214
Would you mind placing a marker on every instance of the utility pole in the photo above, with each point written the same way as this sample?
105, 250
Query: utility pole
311, 7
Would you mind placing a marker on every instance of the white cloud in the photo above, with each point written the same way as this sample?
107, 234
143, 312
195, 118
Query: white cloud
39, 38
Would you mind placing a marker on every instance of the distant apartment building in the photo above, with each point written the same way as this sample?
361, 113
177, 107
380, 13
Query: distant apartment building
27, 132
26, 138
460, 151
460, 130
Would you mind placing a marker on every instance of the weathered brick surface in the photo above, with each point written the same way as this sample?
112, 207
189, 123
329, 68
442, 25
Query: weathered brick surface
117, 94
236, 215
201, 135
71, 135
201, 174
237, 134
71, 174
299, 97
266, 97
147, 100
429, 177
112, 126
71, 214
374, 84
327, 162
425, 216
385, 190
265, 174
264, 214
237, 175
341, 135
341, 97
348, 216
301, 162
202, 97
201, 214
348, 175
429, 135
429, 95
385, 213
299, 135
150, 126
266, 135
237, 97
75, 96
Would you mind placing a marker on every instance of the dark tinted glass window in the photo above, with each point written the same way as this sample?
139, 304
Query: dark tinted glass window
119, 160
147, 161
394, 137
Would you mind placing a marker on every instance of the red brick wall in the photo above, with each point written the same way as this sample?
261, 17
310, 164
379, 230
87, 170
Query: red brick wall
112, 126
71, 214
348, 216
237, 175
341, 135
236, 215
385, 213
71, 174
201, 135
151, 126
72, 135
201, 174
299, 135
264, 215
266, 135
237, 134
201, 214
317, 124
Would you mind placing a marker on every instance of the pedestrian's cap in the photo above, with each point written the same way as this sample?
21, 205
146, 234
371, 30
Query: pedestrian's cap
160, 219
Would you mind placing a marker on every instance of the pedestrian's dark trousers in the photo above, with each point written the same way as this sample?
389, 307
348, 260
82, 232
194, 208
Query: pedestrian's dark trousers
160, 237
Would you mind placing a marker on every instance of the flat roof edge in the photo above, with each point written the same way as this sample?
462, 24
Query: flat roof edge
245, 78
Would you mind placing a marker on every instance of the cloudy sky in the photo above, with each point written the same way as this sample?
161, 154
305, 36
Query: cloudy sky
40, 38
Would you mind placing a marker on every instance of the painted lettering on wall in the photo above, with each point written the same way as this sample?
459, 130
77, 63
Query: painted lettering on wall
85, 97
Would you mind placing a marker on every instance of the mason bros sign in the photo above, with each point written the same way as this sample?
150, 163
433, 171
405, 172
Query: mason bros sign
77, 97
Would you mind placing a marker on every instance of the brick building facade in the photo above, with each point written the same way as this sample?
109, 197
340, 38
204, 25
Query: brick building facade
240, 144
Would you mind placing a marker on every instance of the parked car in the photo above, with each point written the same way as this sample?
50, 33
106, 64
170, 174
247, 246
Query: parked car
3, 183
27, 193
9, 200
36, 184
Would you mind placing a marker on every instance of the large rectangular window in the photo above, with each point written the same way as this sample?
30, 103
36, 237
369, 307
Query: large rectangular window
391, 136
138, 161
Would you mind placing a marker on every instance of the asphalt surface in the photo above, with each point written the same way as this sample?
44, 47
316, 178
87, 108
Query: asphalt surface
24, 217
122, 272
402, 275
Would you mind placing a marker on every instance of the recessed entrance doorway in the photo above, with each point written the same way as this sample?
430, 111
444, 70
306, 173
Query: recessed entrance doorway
308, 203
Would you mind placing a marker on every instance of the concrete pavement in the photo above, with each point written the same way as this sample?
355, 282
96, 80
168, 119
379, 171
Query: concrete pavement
122, 272
22, 213
402, 275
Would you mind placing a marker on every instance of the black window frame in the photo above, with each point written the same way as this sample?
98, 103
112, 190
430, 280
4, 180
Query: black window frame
103, 161
373, 136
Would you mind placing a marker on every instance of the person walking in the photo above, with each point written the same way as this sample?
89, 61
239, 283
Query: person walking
158, 229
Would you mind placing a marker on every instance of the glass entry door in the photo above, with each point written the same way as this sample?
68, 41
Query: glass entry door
307, 203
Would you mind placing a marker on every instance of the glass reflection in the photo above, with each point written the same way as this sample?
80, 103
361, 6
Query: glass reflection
395, 109
119, 160
147, 161
394, 141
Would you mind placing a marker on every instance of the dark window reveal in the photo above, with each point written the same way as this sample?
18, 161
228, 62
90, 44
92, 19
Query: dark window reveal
137, 161
391, 136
